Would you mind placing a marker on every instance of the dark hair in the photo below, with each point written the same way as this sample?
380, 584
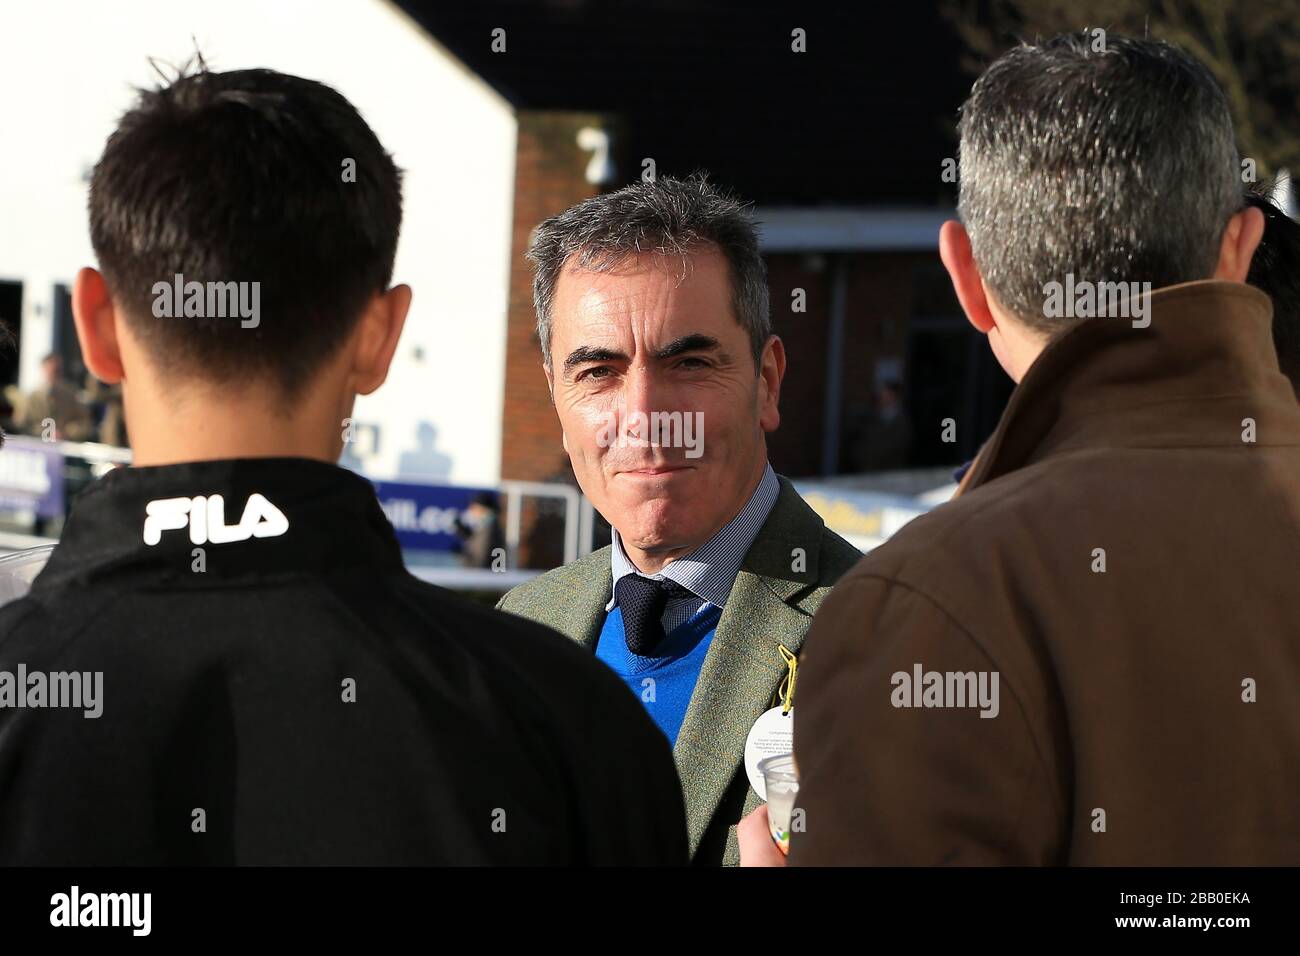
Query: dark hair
668, 216
1275, 269
239, 177
1111, 162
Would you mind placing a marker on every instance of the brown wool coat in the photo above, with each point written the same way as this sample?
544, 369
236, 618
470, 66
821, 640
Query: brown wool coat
1148, 713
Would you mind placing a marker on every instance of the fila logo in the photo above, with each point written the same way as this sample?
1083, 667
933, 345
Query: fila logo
206, 519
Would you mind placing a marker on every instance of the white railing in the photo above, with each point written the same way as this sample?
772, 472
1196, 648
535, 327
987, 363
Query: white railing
579, 521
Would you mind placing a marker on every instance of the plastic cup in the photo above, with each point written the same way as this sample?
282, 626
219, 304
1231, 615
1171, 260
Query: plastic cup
782, 787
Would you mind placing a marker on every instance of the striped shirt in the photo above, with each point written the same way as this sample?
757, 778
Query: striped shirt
705, 575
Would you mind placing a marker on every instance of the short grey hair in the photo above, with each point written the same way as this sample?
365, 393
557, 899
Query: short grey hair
1113, 165
671, 217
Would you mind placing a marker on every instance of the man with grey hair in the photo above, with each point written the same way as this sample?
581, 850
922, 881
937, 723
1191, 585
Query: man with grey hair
1091, 655
652, 313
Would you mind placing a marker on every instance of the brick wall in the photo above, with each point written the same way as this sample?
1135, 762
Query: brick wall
549, 178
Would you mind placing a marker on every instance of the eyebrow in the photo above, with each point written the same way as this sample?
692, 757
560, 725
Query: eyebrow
586, 353
694, 342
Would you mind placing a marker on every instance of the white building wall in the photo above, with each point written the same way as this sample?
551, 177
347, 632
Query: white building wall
67, 72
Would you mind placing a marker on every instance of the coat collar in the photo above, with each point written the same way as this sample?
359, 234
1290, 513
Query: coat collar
1204, 365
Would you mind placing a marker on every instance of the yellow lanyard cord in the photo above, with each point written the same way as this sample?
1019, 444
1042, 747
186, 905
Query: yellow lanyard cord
787, 685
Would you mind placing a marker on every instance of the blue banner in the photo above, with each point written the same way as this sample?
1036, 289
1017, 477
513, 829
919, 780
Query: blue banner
31, 476
424, 516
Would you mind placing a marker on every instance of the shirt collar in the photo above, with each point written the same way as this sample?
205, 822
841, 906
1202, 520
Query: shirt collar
710, 570
276, 516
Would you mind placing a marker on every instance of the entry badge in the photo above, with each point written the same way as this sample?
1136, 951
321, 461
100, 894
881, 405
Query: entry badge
771, 736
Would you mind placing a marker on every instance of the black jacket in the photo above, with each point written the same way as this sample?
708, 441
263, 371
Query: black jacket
298, 697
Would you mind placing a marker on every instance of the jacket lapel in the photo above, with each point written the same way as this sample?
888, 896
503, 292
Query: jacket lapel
585, 601
743, 668
570, 599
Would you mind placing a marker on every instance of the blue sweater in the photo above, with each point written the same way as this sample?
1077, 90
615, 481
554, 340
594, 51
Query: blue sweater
664, 682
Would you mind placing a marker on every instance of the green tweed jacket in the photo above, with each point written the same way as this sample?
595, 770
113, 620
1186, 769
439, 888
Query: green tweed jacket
771, 603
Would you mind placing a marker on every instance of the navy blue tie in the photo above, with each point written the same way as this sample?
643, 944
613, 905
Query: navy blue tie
641, 601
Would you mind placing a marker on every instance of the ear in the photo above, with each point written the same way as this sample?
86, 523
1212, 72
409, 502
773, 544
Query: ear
375, 338
771, 370
96, 320
955, 251
1240, 240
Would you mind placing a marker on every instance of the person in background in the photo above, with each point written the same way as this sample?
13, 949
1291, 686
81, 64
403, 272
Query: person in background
55, 410
107, 399
483, 539
883, 438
